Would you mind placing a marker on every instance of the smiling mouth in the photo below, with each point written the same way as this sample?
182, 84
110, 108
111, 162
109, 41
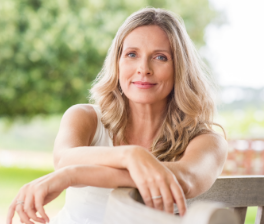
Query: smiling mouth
144, 83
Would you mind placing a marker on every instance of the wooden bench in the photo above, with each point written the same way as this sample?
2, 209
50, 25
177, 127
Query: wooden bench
216, 206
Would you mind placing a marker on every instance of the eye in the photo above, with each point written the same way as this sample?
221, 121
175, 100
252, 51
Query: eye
131, 55
162, 58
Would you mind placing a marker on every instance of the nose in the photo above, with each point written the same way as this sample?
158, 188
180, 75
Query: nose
144, 67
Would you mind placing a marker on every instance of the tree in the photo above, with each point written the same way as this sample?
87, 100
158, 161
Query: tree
51, 51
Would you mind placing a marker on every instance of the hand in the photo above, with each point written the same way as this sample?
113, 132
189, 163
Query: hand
154, 179
33, 196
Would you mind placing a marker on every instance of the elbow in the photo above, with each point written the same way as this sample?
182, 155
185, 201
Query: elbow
192, 185
195, 186
56, 166
187, 188
185, 183
61, 159
190, 191
57, 162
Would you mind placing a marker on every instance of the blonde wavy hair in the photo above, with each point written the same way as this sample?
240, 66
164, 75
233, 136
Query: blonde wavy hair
190, 107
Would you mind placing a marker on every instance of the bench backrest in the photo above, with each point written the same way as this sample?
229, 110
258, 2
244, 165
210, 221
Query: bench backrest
125, 207
238, 192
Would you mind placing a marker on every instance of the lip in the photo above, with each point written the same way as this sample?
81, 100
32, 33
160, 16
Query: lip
143, 85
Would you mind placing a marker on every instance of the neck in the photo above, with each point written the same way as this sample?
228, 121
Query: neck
144, 123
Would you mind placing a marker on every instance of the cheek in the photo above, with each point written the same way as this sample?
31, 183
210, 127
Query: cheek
126, 70
166, 74
167, 79
169, 84
171, 78
122, 72
170, 73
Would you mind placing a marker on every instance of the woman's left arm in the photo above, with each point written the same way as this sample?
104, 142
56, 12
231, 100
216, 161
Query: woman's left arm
196, 172
33, 196
202, 163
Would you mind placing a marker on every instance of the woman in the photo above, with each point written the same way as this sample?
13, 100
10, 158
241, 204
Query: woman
151, 128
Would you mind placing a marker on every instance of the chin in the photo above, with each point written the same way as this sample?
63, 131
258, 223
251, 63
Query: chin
143, 100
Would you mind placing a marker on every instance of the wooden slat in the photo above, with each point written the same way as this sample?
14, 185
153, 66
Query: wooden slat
241, 212
209, 213
241, 191
125, 206
260, 216
231, 209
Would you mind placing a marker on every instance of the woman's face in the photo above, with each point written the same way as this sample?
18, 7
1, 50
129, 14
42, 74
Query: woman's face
146, 65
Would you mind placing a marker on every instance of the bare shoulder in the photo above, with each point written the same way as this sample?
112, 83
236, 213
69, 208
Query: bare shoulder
80, 112
211, 138
213, 145
81, 117
78, 126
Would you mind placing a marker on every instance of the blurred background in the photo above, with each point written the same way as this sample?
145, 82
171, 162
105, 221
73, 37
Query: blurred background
52, 50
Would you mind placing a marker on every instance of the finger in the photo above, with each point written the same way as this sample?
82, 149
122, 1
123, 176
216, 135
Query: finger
167, 199
23, 216
39, 202
11, 212
29, 209
146, 196
158, 202
179, 197
12, 209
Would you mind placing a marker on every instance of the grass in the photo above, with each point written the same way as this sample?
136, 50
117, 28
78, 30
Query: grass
13, 178
251, 214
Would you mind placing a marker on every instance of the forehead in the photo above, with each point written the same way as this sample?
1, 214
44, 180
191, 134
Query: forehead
147, 36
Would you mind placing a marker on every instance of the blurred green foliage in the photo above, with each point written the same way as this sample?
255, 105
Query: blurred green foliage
243, 124
51, 50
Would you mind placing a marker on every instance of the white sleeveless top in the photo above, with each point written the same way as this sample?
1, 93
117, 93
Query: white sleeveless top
87, 205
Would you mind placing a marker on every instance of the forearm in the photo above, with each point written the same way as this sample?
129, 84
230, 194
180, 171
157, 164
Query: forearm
182, 175
108, 177
109, 167
201, 164
93, 155
98, 176
109, 164
193, 180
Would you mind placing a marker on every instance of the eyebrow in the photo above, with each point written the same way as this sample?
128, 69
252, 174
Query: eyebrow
157, 50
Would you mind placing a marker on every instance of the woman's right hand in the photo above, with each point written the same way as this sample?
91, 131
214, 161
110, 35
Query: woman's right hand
154, 179
33, 196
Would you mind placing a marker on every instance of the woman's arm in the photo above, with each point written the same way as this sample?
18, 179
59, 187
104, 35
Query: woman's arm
202, 163
143, 170
41, 191
98, 176
72, 144
206, 152
72, 147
